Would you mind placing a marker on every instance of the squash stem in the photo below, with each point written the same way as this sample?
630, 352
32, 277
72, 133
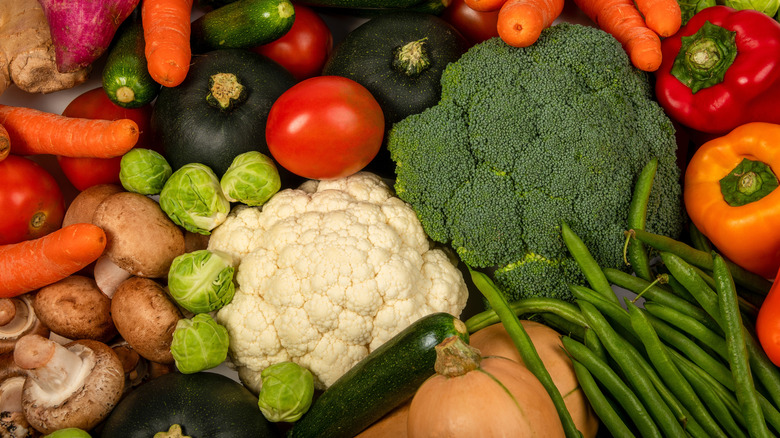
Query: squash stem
455, 358
225, 91
412, 58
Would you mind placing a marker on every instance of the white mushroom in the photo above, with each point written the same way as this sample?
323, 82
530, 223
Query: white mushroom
13, 423
108, 276
18, 318
72, 385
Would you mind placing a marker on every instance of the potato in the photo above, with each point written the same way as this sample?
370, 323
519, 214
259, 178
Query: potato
141, 239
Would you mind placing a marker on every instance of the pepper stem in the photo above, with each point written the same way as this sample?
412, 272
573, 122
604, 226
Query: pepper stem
705, 56
412, 58
455, 358
748, 182
225, 91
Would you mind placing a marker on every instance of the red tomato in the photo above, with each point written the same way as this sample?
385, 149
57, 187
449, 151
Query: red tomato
474, 25
304, 49
95, 104
30, 199
325, 127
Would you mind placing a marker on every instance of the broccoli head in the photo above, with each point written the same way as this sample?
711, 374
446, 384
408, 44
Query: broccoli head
524, 139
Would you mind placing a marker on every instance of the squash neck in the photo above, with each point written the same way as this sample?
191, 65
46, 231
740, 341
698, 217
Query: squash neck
225, 91
412, 58
455, 358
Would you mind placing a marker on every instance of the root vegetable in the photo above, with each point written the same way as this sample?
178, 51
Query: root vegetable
81, 30
27, 57
71, 385
76, 309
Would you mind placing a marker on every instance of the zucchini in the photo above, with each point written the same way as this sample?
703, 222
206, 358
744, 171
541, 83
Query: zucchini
126, 79
381, 381
242, 24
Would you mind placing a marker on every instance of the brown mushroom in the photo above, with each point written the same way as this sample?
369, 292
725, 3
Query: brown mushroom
75, 308
108, 276
13, 423
137, 368
20, 319
141, 239
82, 208
145, 317
71, 385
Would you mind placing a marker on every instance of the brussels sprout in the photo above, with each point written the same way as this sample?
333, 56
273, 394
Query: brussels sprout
199, 344
193, 198
768, 7
70, 432
251, 179
286, 392
143, 171
202, 281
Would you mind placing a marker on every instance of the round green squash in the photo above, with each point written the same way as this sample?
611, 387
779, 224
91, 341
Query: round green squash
399, 57
220, 109
204, 405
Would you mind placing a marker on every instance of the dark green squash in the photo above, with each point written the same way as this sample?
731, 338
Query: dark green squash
399, 57
190, 123
205, 405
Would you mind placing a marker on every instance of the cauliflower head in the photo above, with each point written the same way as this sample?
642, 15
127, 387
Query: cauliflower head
326, 274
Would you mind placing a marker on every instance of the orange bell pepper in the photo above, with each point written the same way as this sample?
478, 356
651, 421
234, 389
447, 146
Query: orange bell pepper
730, 193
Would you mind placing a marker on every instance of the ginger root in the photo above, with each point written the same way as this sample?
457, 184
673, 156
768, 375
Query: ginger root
27, 57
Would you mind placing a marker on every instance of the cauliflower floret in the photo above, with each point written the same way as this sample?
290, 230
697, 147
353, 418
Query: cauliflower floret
327, 273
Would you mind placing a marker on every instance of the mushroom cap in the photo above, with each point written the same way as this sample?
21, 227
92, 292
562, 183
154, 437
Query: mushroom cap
25, 322
145, 317
90, 404
83, 206
140, 237
75, 308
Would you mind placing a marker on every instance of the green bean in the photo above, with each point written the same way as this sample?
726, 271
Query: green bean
598, 401
679, 290
563, 325
527, 306
637, 218
699, 240
694, 283
690, 326
742, 277
619, 350
659, 295
749, 309
593, 342
525, 347
615, 385
611, 310
715, 404
731, 321
588, 265
657, 352
765, 372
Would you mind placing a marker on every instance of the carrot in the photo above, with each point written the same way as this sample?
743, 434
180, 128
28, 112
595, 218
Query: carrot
623, 21
485, 5
166, 25
520, 22
33, 264
5, 143
661, 16
35, 132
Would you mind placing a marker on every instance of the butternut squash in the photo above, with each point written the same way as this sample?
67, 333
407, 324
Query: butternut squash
495, 341
475, 396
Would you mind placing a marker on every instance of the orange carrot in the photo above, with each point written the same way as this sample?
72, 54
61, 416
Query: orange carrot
35, 132
33, 264
622, 19
661, 16
5, 143
520, 22
166, 26
485, 5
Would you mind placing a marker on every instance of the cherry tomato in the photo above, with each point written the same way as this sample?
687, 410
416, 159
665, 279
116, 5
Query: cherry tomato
304, 49
95, 104
325, 127
474, 25
31, 202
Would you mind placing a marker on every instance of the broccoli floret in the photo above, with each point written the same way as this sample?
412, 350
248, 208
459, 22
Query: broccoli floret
524, 139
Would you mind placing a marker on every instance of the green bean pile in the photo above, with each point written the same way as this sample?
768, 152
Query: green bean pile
679, 357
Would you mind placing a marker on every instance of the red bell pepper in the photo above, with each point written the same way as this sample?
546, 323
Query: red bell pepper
721, 70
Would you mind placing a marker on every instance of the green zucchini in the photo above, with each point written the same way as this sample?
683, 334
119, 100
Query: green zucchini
381, 381
242, 24
126, 79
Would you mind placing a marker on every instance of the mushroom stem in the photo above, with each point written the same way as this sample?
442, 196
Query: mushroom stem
56, 370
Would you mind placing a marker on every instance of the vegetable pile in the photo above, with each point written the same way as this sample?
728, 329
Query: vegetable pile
372, 218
